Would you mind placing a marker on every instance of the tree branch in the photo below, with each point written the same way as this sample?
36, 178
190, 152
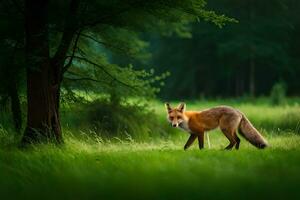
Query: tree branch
103, 69
84, 79
108, 45
68, 65
80, 51
68, 33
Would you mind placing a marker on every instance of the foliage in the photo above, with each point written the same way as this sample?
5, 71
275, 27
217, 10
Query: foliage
257, 52
122, 35
122, 119
10, 79
117, 31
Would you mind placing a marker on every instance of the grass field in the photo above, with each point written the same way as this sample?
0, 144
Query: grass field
157, 167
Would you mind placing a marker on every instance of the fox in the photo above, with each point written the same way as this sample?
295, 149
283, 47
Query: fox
228, 119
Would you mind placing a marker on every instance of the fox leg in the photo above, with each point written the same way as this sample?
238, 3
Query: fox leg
190, 141
237, 139
229, 125
201, 140
230, 137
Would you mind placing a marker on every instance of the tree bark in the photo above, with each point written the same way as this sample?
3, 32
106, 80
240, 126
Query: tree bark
42, 113
58, 60
15, 106
252, 77
252, 53
44, 74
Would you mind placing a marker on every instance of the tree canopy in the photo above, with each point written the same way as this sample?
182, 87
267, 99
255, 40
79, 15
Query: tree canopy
242, 58
74, 41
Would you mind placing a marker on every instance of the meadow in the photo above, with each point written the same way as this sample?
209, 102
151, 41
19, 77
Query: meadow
82, 85
156, 167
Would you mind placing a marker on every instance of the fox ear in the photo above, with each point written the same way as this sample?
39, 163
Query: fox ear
181, 107
168, 107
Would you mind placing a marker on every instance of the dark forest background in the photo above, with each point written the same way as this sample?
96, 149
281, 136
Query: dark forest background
241, 59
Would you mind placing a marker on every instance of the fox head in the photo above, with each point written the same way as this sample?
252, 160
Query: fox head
175, 115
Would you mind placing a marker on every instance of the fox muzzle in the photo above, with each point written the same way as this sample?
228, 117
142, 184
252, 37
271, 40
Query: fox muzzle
175, 124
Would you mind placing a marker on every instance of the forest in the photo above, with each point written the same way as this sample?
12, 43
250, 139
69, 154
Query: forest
91, 93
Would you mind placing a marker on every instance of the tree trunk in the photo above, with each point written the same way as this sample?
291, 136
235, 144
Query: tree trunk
252, 77
15, 106
43, 122
238, 85
252, 52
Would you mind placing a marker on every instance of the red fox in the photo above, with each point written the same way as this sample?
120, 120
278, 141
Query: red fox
228, 119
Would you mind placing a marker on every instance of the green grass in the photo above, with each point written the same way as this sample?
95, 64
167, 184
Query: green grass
152, 170
89, 167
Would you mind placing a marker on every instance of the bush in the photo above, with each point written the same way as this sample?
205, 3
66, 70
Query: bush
123, 120
278, 94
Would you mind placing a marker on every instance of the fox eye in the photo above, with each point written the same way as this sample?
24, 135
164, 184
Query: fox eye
171, 118
179, 117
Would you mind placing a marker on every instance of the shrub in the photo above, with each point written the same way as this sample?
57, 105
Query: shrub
278, 94
125, 120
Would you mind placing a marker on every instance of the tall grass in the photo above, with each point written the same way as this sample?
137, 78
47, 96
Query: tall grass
106, 119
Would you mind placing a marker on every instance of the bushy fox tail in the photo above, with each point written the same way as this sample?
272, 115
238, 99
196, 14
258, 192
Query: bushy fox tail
249, 132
